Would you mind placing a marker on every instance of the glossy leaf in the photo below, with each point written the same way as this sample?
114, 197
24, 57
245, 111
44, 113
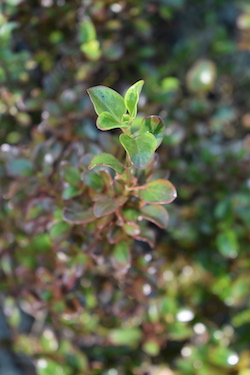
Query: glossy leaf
158, 191
105, 206
132, 229
107, 160
140, 149
155, 125
155, 213
146, 235
107, 121
132, 97
105, 99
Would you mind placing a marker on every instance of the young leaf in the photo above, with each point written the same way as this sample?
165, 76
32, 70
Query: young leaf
105, 206
140, 149
155, 125
158, 191
108, 160
155, 213
107, 121
105, 99
132, 97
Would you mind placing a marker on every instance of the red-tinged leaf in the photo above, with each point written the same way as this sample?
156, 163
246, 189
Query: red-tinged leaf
105, 206
155, 213
75, 213
107, 160
146, 235
140, 149
115, 235
132, 229
158, 191
154, 125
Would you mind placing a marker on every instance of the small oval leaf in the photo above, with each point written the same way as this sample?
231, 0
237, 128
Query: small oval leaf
107, 121
155, 213
107, 160
132, 97
105, 99
158, 191
140, 149
155, 125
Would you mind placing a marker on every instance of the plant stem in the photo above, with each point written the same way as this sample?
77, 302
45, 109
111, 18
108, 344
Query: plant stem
129, 171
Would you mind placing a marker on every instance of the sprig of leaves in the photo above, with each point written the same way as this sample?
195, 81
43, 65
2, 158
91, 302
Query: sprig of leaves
114, 198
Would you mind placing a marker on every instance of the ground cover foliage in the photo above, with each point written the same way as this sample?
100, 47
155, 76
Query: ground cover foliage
175, 302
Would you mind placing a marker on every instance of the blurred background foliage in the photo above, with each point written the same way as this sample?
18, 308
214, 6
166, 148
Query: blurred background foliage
182, 308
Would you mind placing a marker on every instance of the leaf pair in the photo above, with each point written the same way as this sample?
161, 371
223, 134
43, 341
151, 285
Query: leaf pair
112, 108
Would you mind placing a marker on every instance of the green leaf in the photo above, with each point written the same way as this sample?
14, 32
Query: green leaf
105, 99
227, 244
146, 235
158, 191
58, 228
20, 167
107, 160
125, 336
107, 121
75, 213
140, 149
91, 49
70, 174
93, 180
151, 347
87, 31
154, 125
132, 97
121, 257
105, 206
70, 192
132, 229
155, 213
